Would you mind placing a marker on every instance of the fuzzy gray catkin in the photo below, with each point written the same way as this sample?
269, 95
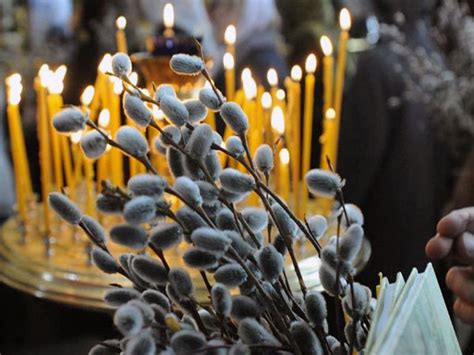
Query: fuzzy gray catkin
128, 319
166, 235
145, 309
142, 344
174, 110
147, 184
318, 225
354, 213
211, 239
188, 189
244, 307
362, 296
327, 276
208, 98
186, 64
235, 181
150, 270
360, 335
234, 117
305, 339
285, 224
225, 220
199, 144
128, 235
156, 297
69, 120
115, 297
104, 261
175, 162
121, 64
190, 219
256, 218
186, 342
109, 204
239, 244
159, 146
323, 183
350, 242
270, 262
164, 90
140, 209
234, 197
280, 244
209, 192
235, 147
213, 165
252, 332
93, 144
200, 258
231, 275
136, 110
132, 141
316, 308
64, 208
239, 349
192, 168
181, 282
171, 134
263, 159
94, 228
197, 111
221, 299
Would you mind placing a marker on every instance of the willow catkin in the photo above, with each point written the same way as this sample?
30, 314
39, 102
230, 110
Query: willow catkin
221, 299
323, 183
252, 332
128, 319
121, 65
69, 120
197, 111
256, 218
104, 261
244, 307
305, 339
186, 64
234, 197
270, 262
142, 344
316, 308
64, 208
129, 235
164, 90
174, 110
132, 141
280, 244
136, 110
199, 258
171, 135
235, 181
115, 297
327, 276
147, 185
150, 270
318, 225
210, 239
350, 242
95, 228
181, 282
93, 144
231, 275
225, 220
188, 189
263, 159
109, 204
242, 248
213, 165
199, 144
354, 213
285, 224
186, 342
192, 168
362, 297
166, 235
234, 117
156, 297
209, 192
140, 209
235, 147
175, 162
208, 98
190, 219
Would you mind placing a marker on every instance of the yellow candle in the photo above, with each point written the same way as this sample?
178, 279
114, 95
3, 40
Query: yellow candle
272, 78
116, 156
229, 67
120, 37
278, 126
328, 68
103, 163
266, 103
250, 108
310, 67
296, 76
345, 23
284, 173
17, 143
86, 99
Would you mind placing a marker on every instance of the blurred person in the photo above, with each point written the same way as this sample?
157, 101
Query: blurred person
396, 170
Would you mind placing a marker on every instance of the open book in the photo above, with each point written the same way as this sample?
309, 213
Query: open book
411, 318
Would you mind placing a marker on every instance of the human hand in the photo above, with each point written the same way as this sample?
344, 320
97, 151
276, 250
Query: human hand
455, 238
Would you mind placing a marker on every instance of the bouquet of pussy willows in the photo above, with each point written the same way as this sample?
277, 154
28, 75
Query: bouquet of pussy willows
238, 252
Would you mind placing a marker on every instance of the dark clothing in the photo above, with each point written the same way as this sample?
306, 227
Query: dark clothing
395, 170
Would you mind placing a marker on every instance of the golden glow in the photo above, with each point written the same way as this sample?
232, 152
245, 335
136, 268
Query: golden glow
14, 88
87, 95
272, 77
296, 73
345, 20
104, 118
44, 74
76, 136
54, 80
326, 45
250, 88
330, 114
133, 77
118, 85
105, 64
278, 120
280, 94
121, 22
311, 63
284, 156
230, 35
228, 61
168, 16
266, 100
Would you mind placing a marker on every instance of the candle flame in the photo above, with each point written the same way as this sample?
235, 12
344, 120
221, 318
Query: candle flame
345, 20
296, 72
266, 100
118, 85
76, 136
121, 22
105, 64
280, 94
278, 120
284, 156
230, 35
246, 74
228, 61
326, 45
330, 114
43, 74
14, 88
250, 88
311, 63
87, 95
272, 77
54, 80
133, 77
168, 16
104, 118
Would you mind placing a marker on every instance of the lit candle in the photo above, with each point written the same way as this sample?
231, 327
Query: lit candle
229, 67
266, 106
250, 108
284, 174
328, 71
296, 76
168, 20
120, 36
272, 78
116, 156
103, 162
345, 23
86, 100
17, 144
278, 126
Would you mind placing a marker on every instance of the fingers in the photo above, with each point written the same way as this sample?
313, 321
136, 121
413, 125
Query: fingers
460, 280
438, 247
464, 311
457, 222
465, 248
